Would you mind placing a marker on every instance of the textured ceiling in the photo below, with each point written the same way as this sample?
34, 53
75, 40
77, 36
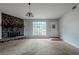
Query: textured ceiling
40, 10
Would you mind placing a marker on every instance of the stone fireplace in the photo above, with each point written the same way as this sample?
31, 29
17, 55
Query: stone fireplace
12, 26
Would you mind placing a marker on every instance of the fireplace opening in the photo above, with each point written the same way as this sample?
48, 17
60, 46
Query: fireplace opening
13, 34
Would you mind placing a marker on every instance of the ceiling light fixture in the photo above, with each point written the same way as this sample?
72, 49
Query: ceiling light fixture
29, 13
74, 7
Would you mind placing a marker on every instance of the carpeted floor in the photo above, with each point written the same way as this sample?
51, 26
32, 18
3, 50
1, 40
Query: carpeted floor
37, 47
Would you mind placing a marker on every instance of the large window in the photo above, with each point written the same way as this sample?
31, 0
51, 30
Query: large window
39, 28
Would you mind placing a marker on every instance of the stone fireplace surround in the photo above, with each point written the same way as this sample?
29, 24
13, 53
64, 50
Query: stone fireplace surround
11, 26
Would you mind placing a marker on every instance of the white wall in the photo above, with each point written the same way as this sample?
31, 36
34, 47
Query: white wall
69, 27
50, 32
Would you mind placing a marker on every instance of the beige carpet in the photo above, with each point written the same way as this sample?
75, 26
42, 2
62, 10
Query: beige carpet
37, 47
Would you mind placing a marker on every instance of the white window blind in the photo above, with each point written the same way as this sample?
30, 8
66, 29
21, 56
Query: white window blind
39, 28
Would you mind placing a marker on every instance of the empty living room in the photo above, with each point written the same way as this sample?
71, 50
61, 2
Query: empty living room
39, 28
